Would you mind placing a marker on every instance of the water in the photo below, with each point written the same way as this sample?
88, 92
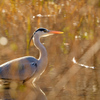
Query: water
15, 91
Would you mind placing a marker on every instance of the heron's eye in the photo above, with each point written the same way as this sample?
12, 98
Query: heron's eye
45, 30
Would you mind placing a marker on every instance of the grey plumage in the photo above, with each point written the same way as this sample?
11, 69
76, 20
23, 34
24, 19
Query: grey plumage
28, 67
18, 69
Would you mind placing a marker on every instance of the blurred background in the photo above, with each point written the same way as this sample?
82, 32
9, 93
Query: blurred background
80, 22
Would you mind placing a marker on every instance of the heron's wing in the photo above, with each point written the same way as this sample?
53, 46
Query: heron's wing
27, 70
18, 69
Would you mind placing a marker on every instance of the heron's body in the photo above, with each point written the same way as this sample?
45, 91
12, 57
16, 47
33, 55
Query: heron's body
18, 69
27, 67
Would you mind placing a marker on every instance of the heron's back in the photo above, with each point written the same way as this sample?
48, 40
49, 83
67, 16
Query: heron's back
18, 69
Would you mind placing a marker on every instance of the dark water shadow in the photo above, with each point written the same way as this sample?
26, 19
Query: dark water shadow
21, 92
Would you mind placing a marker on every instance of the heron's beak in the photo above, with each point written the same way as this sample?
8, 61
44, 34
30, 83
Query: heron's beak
55, 32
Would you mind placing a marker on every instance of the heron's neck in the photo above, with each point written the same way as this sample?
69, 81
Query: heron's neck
41, 48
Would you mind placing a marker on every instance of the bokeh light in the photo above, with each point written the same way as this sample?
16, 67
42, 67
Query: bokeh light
3, 41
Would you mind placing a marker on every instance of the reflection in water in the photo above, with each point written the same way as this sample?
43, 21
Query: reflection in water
21, 92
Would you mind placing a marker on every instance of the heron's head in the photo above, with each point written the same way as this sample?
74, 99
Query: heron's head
42, 32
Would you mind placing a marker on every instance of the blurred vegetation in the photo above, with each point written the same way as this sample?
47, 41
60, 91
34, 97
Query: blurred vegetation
80, 22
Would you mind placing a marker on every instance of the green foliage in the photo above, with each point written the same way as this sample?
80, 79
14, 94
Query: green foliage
7, 33
13, 6
21, 87
71, 36
63, 47
99, 3
28, 24
27, 35
14, 46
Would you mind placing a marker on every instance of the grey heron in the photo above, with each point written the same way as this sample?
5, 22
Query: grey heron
28, 67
